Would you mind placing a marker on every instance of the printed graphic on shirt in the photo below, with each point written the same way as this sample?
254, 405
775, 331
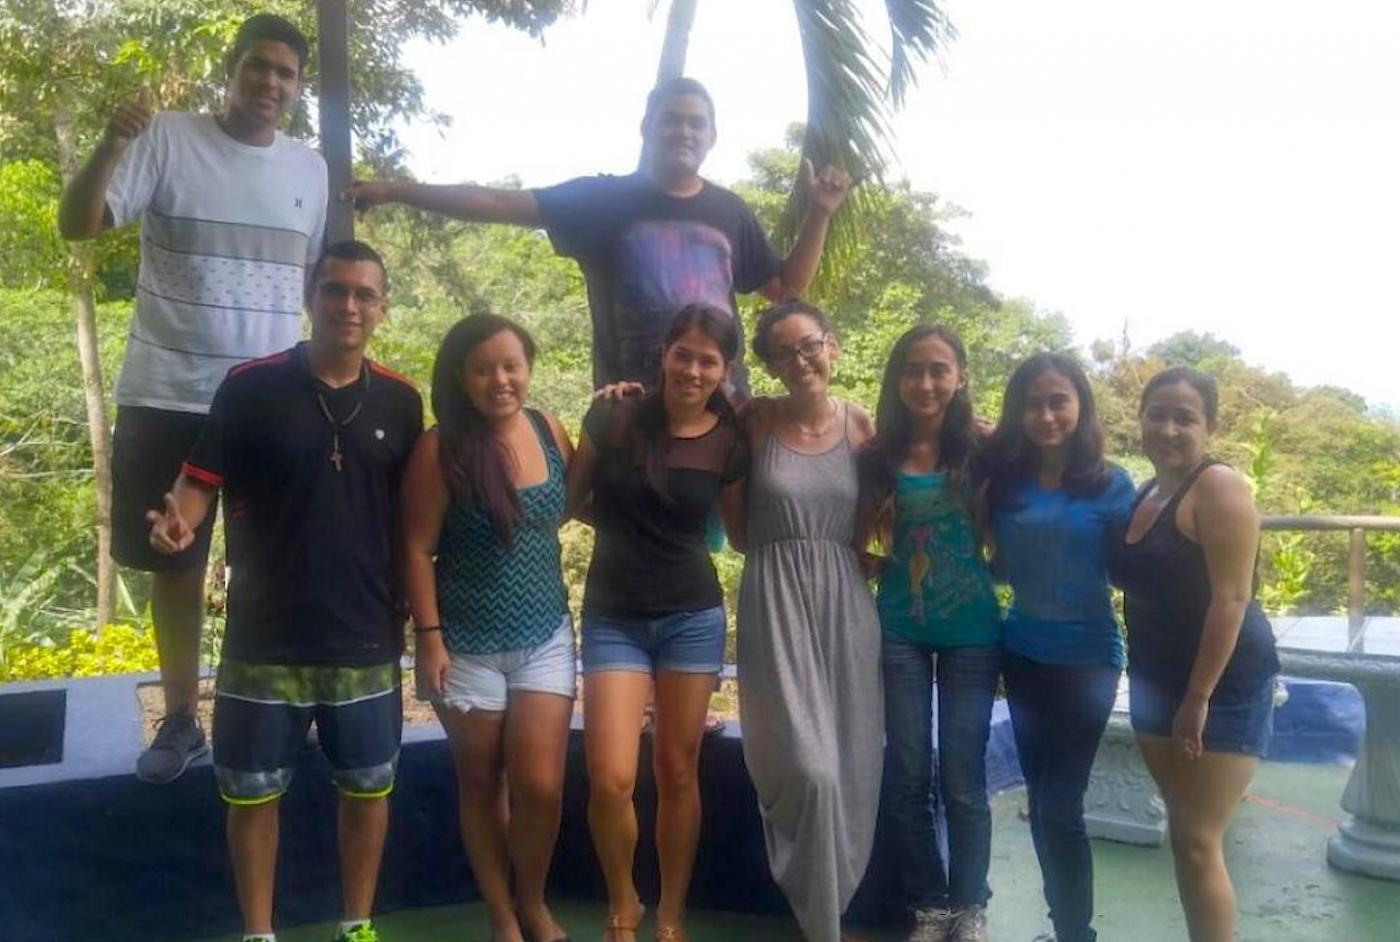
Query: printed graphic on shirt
938, 523
662, 266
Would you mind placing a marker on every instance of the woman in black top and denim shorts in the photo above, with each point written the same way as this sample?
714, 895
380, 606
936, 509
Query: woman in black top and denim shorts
1201, 658
650, 473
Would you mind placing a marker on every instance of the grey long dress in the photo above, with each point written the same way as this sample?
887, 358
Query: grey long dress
810, 697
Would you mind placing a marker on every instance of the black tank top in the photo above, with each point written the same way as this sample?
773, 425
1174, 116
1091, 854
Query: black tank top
1166, 591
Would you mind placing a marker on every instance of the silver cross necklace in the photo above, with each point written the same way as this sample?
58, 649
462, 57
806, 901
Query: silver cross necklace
336, 457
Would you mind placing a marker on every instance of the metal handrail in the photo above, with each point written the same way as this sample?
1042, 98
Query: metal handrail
1356, 560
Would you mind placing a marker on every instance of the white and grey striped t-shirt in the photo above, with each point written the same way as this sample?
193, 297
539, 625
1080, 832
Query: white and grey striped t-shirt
227, 231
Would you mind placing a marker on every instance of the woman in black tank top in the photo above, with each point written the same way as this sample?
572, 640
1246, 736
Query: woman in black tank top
1201, 654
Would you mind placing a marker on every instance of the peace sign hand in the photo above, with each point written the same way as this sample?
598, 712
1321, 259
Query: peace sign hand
170, 533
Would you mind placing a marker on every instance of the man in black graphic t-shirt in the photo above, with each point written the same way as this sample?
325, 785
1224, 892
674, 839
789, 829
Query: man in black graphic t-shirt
651, 241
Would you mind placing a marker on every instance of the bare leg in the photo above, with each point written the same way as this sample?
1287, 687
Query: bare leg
612, 709
252, 845
177, 611
1201, 797
681, 701
477, 738
536, 736
363, 824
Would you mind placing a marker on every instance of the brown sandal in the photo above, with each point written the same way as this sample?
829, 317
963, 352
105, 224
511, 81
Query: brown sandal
617, 922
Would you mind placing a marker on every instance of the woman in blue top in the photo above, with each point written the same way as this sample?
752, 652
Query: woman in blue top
1055, 508
485, 493
938, 616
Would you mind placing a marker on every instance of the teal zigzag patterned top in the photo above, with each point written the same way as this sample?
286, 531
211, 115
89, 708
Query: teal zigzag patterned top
493, 599
936, 589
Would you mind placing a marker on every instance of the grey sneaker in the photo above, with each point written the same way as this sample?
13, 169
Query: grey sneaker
179, 741
970, 925
932, 925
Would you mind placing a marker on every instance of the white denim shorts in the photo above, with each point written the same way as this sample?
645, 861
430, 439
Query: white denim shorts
485, 681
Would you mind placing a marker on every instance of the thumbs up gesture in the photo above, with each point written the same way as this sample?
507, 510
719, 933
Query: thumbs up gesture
169, 532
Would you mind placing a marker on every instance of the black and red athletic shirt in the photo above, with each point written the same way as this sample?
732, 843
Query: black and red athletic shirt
310, 547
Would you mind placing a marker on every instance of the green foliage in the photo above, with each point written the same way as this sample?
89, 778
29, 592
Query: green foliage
1307, 451
29, 244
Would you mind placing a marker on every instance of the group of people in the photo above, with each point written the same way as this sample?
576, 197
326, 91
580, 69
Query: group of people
343, 516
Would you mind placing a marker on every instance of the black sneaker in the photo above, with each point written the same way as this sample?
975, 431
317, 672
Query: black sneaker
179, 741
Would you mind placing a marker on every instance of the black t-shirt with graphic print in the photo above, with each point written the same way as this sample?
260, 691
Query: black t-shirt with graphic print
310, 545
650, 554
645, 254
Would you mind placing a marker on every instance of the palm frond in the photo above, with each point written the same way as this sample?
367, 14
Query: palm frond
918, 30
851, 88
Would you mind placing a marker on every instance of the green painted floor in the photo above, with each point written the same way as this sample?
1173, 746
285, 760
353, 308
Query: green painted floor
1276, 852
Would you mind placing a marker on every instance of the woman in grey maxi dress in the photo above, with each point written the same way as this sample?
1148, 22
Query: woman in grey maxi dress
810, 694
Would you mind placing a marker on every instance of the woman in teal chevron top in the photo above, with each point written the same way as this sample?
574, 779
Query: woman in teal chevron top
483, 499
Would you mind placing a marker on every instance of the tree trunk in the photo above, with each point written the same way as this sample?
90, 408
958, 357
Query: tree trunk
673, 49
678, 22
80, 281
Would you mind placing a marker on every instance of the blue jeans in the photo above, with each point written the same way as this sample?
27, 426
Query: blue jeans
967, 684
1059, 714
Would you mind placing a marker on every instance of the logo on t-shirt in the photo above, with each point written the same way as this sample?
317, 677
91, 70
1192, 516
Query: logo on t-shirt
296, 201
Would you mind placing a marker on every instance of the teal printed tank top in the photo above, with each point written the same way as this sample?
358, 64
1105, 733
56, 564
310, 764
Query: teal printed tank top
936, 589
493, 599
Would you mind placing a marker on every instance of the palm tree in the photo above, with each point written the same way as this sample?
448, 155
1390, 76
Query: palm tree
850, 89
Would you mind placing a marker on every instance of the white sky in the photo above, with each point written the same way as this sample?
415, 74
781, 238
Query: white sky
1230, 166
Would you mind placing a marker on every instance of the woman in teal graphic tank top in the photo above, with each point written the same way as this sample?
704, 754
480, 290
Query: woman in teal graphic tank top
483, 499
939, 619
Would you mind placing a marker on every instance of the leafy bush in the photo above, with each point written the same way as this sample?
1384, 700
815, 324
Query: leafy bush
115, 649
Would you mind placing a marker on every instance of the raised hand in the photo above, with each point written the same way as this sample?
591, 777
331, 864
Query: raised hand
826, 191
366, 194
126, 123
169, 532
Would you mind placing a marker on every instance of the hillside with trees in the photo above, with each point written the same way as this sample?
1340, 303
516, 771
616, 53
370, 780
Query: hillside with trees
1319, 450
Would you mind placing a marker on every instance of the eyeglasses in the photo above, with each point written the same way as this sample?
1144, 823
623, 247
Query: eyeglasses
808, 350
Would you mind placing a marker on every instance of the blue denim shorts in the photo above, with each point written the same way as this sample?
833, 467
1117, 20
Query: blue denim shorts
689, 642
1242, 724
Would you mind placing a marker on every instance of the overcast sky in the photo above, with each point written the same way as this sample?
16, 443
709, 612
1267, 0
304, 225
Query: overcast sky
1230, 166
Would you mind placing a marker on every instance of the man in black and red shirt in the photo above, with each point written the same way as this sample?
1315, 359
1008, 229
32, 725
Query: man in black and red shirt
308, 447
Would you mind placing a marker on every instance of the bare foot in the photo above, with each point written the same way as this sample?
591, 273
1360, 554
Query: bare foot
540, 924
506, 930
622, 926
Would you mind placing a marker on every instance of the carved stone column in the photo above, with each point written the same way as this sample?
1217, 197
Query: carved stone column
1122, 803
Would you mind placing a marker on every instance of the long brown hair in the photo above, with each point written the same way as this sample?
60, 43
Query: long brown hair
895, 430
475, 462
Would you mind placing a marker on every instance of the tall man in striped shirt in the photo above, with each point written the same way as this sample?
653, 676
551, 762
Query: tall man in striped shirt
231, 212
